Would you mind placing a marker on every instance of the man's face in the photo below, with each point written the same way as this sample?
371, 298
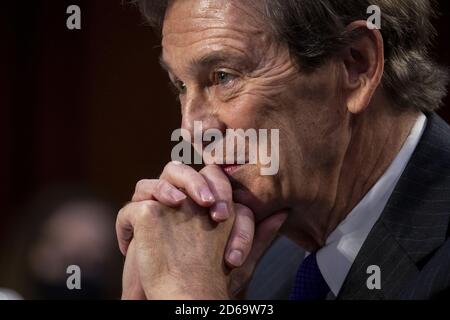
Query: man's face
232, 74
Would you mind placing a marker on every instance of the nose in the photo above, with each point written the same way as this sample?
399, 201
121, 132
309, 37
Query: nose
198, 108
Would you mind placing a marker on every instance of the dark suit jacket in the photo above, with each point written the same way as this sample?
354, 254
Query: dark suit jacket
410, 241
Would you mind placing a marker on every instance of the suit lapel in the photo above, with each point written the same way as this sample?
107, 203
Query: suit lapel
414, 223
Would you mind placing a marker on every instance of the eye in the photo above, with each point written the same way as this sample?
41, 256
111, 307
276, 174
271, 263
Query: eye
180, 86
222, 78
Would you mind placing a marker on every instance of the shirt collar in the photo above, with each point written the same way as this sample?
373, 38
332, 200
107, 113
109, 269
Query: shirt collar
343, 244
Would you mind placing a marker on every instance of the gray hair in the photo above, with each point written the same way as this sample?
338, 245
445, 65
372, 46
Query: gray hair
315, 29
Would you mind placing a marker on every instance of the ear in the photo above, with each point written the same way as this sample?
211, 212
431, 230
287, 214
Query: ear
363, 66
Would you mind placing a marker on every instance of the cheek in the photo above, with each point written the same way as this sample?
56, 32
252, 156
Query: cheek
251, 110
264, 99
239, 113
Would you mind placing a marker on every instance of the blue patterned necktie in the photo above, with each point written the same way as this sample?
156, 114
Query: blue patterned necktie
309, 282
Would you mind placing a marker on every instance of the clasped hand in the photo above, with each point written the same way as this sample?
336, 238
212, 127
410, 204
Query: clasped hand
185, 238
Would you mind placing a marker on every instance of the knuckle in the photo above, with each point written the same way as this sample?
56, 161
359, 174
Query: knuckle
210, 168
144, 190
119, 218
174, 168
160, 186
140, 184
120, 213
173, 165
146, 211
176, 162
244, 211
244, 238
151, 206
123, 211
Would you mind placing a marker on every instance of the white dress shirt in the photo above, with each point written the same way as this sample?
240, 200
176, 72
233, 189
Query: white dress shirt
343, 244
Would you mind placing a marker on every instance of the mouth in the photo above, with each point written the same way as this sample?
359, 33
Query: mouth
230, 169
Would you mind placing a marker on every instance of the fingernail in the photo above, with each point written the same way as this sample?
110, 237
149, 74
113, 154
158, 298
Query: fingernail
220, 211
177, 195
235, 257
206, 195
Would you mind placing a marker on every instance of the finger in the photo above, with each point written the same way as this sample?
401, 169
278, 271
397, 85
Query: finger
220, 186
131, 284
126, 221
265, 234
160, 190
241, 237
193, 183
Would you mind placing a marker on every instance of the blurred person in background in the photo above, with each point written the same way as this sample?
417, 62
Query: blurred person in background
64, 227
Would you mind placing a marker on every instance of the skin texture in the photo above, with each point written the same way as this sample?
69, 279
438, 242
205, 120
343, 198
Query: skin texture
338, 134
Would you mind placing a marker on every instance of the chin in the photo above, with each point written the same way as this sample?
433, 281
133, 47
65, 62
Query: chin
255, 191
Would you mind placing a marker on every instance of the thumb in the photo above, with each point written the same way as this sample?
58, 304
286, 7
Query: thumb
265, 233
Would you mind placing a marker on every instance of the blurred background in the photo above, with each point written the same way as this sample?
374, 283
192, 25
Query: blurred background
84, 114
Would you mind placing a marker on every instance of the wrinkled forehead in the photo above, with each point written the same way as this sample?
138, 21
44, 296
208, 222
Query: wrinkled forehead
186, 20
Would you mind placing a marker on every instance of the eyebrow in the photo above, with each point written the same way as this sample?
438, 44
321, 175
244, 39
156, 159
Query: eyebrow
209, 60
215, 58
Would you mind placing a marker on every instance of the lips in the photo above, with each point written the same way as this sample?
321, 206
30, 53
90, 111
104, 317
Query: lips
229, 169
